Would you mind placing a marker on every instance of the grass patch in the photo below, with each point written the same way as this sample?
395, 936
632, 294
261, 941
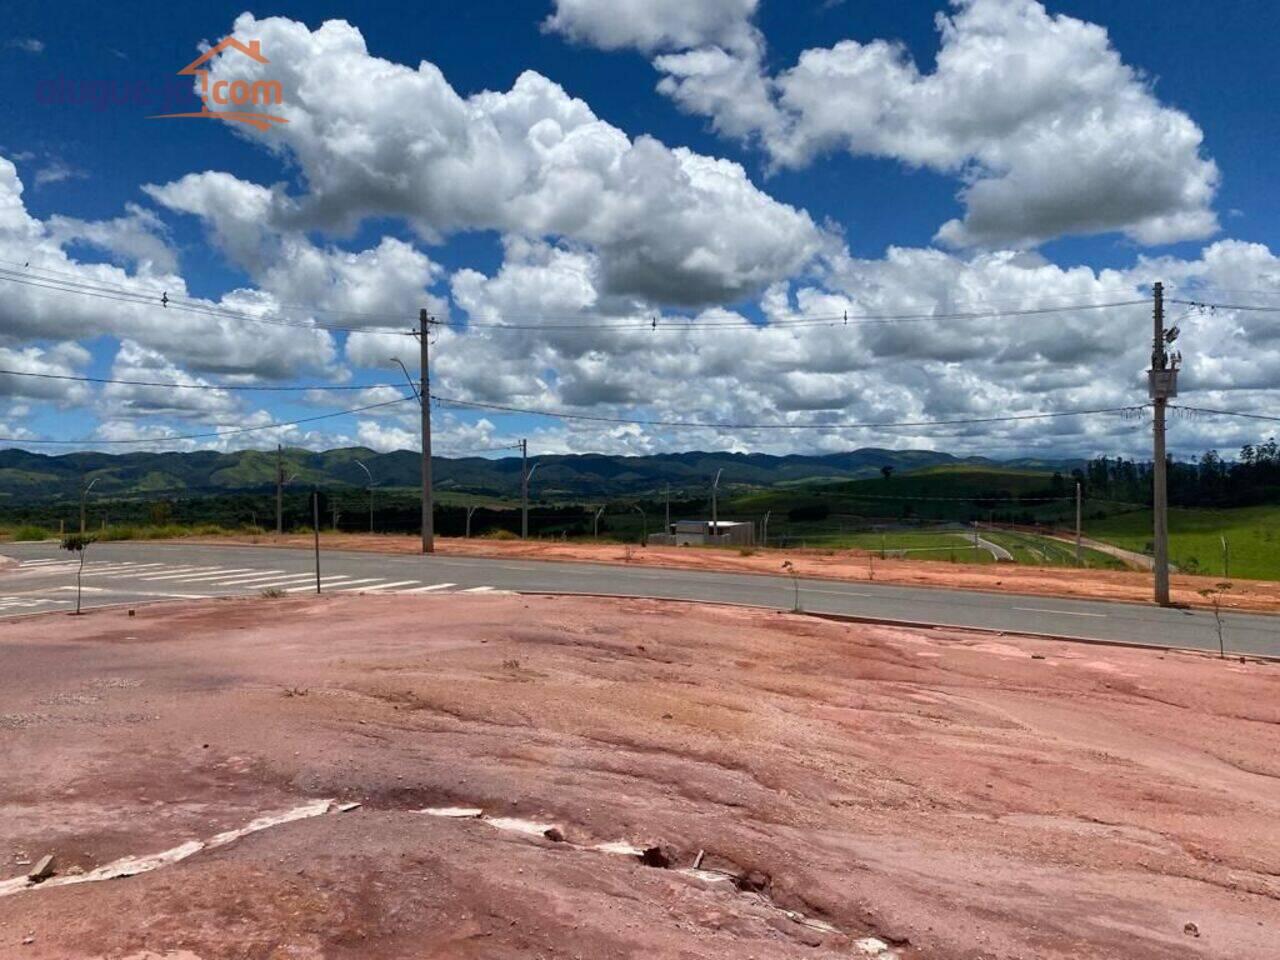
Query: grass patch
29, 531
1195, 539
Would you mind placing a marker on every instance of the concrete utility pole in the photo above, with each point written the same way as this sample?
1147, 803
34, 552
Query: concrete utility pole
524, 489
315, 531
279, 489
524, 493
1078, 504
764, 532
424, 397
1163, 385
667, 528
595, 523
84, 496
370, 476
715, 516
470, 511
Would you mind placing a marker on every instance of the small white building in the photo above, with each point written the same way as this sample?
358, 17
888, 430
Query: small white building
706, 533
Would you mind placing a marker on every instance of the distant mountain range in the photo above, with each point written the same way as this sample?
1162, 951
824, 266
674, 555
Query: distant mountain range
27, 477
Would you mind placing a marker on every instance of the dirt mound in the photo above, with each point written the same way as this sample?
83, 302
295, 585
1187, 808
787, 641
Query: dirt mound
624, 778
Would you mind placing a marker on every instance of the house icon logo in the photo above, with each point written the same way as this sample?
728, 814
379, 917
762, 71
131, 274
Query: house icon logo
233, 94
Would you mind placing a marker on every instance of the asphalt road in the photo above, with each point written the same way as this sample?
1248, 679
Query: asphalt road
128, 572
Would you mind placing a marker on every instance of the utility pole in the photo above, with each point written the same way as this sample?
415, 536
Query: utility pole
764, 532
84, 496
315, 531
361, 465
470, 511
1079, 553
595, 523
424, 396
524, 489
279, 489
1163, 384
667, 528
715, 516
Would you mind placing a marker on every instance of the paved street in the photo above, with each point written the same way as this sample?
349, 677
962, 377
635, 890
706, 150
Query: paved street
130, 572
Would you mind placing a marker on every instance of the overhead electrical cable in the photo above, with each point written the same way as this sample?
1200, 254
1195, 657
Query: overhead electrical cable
562, 415
205, 436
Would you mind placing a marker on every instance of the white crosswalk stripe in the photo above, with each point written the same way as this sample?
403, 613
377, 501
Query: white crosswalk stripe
352, 585
324, 582
478, 590
27, 602
278, 581
388, 586
188, 573
431, 589
241, 579
196, 578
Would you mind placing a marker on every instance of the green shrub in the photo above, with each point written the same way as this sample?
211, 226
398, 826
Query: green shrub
499, 534
30, 531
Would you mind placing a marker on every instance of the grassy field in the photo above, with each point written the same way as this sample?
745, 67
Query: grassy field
1195, 539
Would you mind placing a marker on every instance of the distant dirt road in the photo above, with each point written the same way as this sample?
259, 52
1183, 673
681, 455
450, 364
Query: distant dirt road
854, 791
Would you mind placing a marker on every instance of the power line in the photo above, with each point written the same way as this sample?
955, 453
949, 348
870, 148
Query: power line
217, 433
197, 386
653, 324
561, 415
180, 304
1247, 307
1225, 413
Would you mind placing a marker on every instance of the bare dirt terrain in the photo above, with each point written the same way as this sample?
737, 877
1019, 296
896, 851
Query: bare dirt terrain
848, 565
855, 791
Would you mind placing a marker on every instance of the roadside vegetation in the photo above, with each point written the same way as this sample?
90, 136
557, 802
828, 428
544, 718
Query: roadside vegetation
1252, 537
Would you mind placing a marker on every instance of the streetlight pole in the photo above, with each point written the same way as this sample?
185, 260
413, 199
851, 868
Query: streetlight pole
470, 511
644, 523
526, 476
715, 516
370, 476
595, 523
84, 495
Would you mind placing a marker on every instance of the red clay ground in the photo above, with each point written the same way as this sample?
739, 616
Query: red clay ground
1252, 595
951, 794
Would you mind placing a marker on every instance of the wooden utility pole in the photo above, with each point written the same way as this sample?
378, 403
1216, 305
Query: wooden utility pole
1163, 386
424, 396
279, 489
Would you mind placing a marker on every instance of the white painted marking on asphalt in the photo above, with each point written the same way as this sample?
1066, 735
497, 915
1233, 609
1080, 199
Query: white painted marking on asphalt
36, 563
122, 569
433, 587
178, 576
277, 581
237, 579
324, 582
388, 586
166, 571
1065, 613
215, 576
478, 590
351, 585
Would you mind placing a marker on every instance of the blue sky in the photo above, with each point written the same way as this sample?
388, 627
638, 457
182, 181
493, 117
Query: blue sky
811, 220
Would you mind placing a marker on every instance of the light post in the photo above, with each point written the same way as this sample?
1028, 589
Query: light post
470, 511
764, 533
524, 502
370, 476
595, 523
715, 517
84, 495
644, 523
